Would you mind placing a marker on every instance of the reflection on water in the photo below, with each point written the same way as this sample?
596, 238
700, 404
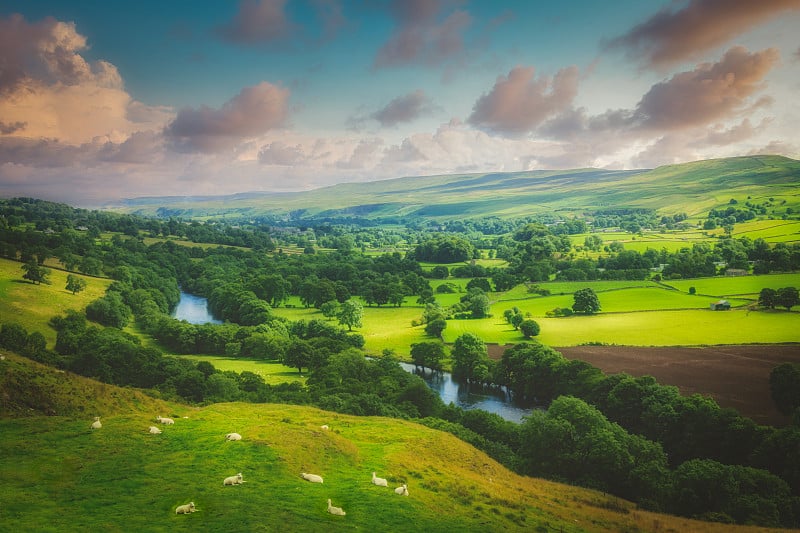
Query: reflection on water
470, 395
194, 310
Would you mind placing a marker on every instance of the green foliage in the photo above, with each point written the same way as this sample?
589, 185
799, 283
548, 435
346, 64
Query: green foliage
784, 386
36, 273
428, 354
471, 358
351, 314
435, 327
75, 284
529, 328
787, 297
110, 310
586, 302
444, 249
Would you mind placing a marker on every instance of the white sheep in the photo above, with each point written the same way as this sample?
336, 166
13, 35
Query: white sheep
325, 427
379, 481
233, 480
313, 478
185, 509
233, 436
154, 430
402, 490
96, 424
335, 510
167, 421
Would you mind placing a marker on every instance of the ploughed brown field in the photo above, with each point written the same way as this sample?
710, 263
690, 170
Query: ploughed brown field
735, 376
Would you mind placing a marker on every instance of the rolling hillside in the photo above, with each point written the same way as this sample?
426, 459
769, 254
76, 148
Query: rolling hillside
60, 475
693, 188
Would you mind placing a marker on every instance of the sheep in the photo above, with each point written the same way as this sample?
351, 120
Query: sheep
96, 424
325, 427
167, 421
233, 480
402, 490
233, 436
379, 481
185, 509
154, 430
313, 478
335, 510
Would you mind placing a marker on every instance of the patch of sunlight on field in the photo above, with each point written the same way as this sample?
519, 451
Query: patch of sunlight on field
672, 328
749, 285
272, 372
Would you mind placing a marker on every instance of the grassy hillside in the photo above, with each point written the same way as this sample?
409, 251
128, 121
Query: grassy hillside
33, 305
59, 475
693, 188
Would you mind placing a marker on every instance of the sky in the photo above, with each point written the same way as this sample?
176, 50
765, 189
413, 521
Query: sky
102, 100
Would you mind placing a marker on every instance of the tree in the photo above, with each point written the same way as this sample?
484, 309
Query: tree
35, 273
298, 355
330, 309
435, 327
768, 298
75, 284
529, 328
516, 320
784, 386
350, 314
470, 357
586, 301
428, 354
787, 297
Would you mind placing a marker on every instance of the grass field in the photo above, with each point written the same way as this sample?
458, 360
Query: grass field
272, 372
32, 306
59, 475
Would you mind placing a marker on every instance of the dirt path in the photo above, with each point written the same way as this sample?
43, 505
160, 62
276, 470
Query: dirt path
735, 376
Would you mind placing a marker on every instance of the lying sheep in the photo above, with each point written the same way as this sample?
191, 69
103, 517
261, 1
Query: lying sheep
233, 436
379, 481
185, 509
335, 510
233, 480
96, 424
154, 430
325, 427
167, 421
313, 478
402, 490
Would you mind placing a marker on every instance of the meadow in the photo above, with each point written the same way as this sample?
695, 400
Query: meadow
121, 478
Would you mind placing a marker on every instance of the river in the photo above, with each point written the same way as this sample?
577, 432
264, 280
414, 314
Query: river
194, 309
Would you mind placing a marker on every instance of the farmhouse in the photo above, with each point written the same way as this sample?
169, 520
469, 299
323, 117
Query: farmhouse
721, 305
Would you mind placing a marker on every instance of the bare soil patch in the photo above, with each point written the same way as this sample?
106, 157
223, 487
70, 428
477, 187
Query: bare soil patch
734, 376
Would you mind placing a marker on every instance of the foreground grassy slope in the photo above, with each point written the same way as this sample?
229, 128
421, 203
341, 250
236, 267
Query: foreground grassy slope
59, 475
692, 188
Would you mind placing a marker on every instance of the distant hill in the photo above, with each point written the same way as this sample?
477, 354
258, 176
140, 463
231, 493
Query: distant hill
60, 475
693, 188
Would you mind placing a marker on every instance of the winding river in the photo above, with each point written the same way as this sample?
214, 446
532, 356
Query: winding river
194, 309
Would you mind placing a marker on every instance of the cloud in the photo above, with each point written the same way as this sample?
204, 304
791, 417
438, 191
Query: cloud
254, 111
257, 22
710, 92
49, 90
404, 108
279, 153
669, 37
519, 103
420, 36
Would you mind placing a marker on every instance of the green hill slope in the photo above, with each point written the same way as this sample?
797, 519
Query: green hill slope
58, 474
693, 188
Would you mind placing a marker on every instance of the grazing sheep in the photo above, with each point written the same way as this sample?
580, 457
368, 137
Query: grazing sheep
2, 357
402, 490
96, 424
185, 509
167, 421
233, 436
313, 478
233, 480
325, 427
379, 481
335, 510
154, 430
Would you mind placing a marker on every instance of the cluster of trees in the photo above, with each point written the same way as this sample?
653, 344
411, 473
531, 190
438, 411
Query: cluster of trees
786, 297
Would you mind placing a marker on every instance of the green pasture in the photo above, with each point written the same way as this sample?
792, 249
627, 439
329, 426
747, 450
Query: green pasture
692, 327
60, 475
33, 306
740, 285
272, 372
